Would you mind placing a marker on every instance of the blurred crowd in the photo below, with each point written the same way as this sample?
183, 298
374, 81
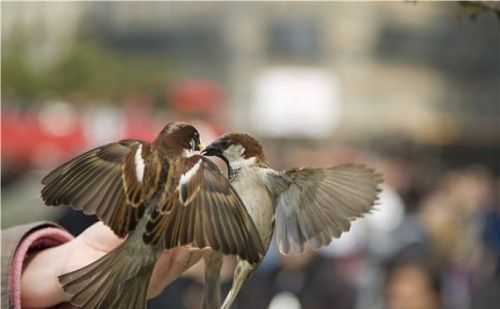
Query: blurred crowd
430, 243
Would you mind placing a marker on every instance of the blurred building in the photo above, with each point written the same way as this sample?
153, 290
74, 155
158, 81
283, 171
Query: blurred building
403, 68
47, 28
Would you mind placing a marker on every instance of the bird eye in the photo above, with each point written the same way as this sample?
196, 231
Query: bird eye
224, 143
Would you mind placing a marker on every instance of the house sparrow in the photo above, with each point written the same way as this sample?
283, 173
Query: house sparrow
162, 195
303, 205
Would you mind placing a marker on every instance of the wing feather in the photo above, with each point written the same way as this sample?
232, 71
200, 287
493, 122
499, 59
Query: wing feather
315, 205
210, 213
94, 183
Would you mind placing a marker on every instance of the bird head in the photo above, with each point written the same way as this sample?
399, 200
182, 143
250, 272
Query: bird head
237, 149
178, 138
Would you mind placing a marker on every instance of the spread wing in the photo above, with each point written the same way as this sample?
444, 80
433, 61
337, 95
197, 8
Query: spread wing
207, 212
105, 181
317, 204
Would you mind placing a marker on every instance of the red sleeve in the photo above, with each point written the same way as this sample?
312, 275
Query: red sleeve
39, 239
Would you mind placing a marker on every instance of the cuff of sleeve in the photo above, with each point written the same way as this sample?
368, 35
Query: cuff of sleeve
39, 239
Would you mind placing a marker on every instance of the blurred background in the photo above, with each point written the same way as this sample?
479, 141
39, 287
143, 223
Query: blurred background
409, 88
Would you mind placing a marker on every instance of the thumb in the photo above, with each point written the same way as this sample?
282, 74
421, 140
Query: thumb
100, 237
170, 265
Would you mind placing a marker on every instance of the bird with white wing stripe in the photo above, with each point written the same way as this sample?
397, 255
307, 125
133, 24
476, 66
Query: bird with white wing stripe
159, 195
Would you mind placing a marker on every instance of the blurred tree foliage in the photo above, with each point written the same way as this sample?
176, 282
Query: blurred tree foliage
475, 8
18, 80
86, 73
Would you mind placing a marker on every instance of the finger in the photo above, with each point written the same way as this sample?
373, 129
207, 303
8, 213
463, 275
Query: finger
100, 237
93, 243
196, 255
170, 266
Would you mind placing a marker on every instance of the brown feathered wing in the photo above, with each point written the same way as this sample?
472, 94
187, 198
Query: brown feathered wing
205, 211
104, 182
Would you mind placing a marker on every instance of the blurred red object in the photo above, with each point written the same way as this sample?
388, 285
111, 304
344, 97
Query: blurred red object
139, 122
196, 96
25, 141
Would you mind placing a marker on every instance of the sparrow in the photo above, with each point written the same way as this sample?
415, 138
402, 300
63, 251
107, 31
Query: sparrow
302, 205
158, 195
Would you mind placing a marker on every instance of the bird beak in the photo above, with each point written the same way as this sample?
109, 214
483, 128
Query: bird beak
212, 150
199, 147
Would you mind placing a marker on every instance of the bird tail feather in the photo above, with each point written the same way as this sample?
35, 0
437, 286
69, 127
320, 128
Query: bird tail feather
116, 280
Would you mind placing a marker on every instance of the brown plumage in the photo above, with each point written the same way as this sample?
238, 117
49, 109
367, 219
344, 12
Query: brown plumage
160, 195
252, 147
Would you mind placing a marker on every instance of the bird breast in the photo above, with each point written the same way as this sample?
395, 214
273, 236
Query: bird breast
250, 186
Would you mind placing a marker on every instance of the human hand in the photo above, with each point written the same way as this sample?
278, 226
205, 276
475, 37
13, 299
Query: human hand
39, 282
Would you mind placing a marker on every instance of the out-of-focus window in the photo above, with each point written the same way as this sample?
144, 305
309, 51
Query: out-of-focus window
296, 39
